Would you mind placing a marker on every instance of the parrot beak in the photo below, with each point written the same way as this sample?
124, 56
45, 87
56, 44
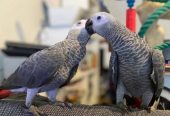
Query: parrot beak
89, 27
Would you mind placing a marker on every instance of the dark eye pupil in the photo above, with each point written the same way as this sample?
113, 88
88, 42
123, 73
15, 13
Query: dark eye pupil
99, 17
79, 23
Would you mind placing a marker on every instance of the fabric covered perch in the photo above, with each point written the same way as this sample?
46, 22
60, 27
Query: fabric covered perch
14, 106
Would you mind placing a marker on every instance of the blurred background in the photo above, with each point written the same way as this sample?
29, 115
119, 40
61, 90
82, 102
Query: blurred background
27, 26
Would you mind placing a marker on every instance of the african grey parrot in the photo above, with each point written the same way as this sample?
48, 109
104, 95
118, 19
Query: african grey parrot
137, 69
50, 68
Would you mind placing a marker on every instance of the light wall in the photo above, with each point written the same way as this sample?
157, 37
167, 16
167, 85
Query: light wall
20, 20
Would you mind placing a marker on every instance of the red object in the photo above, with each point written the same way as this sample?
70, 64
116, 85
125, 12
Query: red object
137, 103
4, 93
131, 19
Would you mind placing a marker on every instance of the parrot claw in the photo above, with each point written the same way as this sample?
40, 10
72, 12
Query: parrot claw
33, 110
123, 107
36, 111
63, 105
68, 105
148, 109
151, 109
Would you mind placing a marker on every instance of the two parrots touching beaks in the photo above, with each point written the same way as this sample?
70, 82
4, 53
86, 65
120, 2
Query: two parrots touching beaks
137, 70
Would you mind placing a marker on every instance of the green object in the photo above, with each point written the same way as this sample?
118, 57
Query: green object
159, 0
152, 18
162, 46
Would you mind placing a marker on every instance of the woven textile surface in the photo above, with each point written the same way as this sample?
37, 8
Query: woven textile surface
14, 106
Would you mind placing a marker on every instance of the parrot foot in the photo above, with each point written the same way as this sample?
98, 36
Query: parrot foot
123, 107
36, 111
62, 104
151, 109
68, 105
28, 104
148, 109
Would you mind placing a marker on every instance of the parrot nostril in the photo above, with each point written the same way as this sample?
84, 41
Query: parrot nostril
79, 23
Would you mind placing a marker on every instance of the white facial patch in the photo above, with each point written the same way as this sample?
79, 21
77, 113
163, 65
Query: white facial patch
102, 18
99, 19
79, 25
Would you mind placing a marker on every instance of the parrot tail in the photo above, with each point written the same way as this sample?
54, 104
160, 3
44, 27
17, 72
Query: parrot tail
4, 93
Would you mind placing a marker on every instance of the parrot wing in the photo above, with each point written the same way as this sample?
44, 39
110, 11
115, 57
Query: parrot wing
114, 67
158, 72
37, 69
72, 73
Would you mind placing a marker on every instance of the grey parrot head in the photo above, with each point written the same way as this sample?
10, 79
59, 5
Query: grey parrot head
79, 32
101, 23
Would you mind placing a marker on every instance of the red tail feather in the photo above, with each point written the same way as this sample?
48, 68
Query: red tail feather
4, 93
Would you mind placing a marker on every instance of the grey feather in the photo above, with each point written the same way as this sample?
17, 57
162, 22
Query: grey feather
71, 74
158, 72
37, 69
114, 67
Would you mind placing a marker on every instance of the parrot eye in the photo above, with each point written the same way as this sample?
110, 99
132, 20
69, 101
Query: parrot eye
99, 17
79, 23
